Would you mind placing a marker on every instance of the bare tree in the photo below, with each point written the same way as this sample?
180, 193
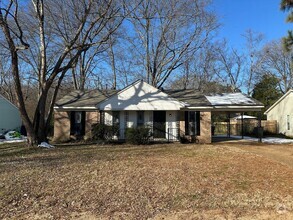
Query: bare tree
54, 36
198, 71
86, 66
230, 66
6, 81
167, 32
278, 62
254, 57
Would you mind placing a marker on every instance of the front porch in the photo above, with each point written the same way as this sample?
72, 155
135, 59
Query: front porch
169, 126
193, 126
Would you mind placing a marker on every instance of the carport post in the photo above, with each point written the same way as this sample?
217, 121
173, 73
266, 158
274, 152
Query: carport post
229, 125
242, 130
259, 131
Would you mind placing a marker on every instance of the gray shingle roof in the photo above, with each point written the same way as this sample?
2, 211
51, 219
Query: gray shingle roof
193, 98
87, 99
190, 96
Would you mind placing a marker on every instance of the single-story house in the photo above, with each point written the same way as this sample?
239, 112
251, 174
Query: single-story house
169, 113
282, 112
9, 116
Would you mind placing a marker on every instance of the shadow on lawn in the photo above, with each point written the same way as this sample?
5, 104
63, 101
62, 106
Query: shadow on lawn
82, 153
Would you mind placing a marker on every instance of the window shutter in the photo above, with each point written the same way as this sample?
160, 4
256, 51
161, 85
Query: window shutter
197, 123
186, 123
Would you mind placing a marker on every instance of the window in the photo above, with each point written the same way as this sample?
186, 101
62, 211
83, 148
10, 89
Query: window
77, 123
140, 118
192, 123
77, 117
288, 122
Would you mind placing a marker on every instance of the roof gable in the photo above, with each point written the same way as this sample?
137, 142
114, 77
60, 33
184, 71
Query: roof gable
278, 101
4, 100
140, 96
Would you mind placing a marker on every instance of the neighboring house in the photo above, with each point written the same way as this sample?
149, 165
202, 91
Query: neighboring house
9, 116
282, 112
169, 113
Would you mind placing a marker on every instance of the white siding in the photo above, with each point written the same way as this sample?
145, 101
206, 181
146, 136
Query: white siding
280, 113
9, 116
140, 97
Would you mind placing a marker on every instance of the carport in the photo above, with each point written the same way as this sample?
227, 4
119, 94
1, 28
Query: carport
235, 103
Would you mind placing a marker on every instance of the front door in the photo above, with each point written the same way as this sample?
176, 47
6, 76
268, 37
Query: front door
159, 124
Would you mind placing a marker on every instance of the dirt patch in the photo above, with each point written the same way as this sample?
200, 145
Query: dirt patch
170, 181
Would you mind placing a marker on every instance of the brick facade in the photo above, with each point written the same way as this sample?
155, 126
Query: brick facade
205, 136
61, 126
90, 119
205, 128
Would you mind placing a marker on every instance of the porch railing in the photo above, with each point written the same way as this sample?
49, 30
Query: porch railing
172, 134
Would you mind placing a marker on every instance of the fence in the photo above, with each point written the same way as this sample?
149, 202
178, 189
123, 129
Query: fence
249, 127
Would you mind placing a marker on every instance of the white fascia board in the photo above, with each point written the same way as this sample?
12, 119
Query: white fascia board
198, 108
238, 108
73, 108
134, 108
235, 106
225, 107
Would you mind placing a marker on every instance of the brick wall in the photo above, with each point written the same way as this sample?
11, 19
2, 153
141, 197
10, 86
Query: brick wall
61, 126
90, 119
205, 127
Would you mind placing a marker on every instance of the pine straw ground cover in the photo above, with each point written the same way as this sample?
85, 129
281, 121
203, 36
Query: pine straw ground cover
170, 181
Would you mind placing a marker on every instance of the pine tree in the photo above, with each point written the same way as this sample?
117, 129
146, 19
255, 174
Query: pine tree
287, 6
266, 91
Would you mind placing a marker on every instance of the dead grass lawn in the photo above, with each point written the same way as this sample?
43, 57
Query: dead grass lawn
171, 181
281, 153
